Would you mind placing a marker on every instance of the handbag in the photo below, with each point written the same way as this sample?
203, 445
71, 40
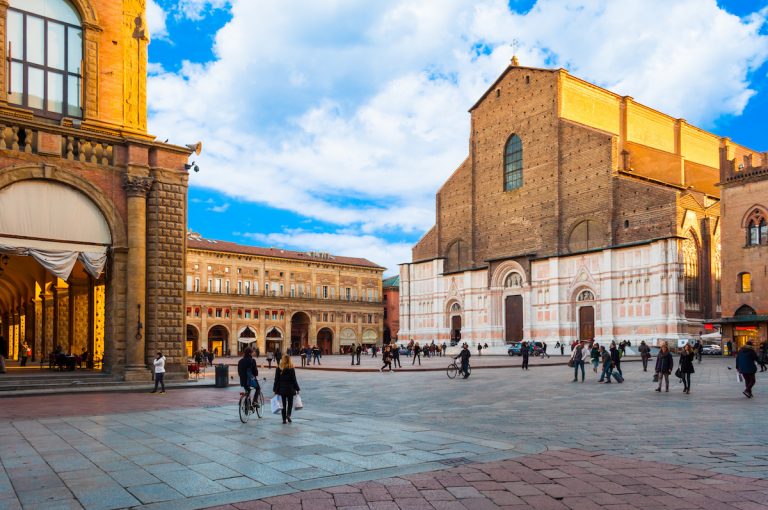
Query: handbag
679, 373
570, 363
297, 403
656, 377
277, 404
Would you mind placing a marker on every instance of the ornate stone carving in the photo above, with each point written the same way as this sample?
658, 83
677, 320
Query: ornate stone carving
137, 186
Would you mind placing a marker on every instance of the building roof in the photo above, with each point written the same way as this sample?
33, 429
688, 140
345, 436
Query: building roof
196, 242
392, 281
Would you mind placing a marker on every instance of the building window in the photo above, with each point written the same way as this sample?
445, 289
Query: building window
293, 290
247, 314
227, 286
197, 312
325, 317
239, 287
584, 236
218, 312
757, 228
745, 282
247, 288
347, 293
691, 272
45, 53
255, 314
282, 289
197, 284
210, 285
218, 285
513, 163
325, 292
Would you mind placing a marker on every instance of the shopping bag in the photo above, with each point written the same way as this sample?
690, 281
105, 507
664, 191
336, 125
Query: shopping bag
297, 403
739, 377
277, 404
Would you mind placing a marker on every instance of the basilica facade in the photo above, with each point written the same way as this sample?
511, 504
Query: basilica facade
577, 214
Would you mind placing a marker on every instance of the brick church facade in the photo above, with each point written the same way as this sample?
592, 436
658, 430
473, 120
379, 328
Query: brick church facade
577, 214
92, 208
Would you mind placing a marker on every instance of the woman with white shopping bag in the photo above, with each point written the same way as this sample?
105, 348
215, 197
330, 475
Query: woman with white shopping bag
286, 386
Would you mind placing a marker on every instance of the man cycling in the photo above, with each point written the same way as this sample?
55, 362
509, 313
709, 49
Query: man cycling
248, 371
464, 355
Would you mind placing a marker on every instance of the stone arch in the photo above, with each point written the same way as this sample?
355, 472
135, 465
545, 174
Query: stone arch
504, 269
456, 255
585, 233
751, 212
114, 219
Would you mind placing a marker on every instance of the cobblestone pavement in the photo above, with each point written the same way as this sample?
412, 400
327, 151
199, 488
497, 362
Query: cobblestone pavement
370, 426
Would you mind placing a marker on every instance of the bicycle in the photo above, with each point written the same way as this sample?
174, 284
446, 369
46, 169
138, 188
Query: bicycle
453, 370
246, 407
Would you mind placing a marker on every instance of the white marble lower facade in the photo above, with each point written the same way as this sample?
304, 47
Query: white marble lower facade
636, 293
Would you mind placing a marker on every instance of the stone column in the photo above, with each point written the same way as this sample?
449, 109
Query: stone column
136, 188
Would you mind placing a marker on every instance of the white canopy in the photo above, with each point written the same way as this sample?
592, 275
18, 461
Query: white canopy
712, 336
55, 225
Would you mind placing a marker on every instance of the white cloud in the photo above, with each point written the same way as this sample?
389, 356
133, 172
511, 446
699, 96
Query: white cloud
196, 9
354, 113
156, 17
219, 208
373, 248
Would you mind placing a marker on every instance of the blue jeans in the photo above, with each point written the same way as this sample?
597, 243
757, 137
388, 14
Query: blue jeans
606, 372
576, 365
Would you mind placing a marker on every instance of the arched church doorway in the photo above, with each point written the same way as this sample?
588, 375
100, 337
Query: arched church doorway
299, 331
193, 340
54, 250
513, 319
455, 312
325, 340
586, 315
218, 340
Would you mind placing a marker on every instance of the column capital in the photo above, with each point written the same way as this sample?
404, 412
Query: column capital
137, 186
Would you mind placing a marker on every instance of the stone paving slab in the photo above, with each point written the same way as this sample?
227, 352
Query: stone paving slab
559, 480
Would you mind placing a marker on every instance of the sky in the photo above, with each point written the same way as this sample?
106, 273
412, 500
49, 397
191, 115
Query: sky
329, 125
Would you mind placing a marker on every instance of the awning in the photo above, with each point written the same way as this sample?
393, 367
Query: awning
741, 319
712, 336
245, 340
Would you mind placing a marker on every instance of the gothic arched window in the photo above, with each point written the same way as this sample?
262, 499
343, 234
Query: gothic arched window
513, 163
513, 280
757, 228
691, 273
585, 236
45, 55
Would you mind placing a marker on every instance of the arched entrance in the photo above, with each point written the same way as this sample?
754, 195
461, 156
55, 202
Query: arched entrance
584, 303
370, 338
745, 330
247, 338
325, 340
193, 340
54, 248
274, 340
455, 315
218, 340
299, 331
347, 339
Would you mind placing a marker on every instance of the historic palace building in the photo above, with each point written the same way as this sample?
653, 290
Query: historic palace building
271, 299
577, 214
92, 208
391, 289
744, 185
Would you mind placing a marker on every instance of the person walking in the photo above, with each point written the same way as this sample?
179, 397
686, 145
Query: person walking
544, 350
616, 358
354, 353
645, 354
698, 347
594, 356
303, 355
578, 362
23, 353
396, 356
416, 354
605, 359
248, 371
562, 348
664, 365
286, 386
269, 359
278, 355
729, 347
445, 346
686, 367
762, 356
746, 365
479, 349
464, 354
159, 367
211, 355
525, 353
386, 358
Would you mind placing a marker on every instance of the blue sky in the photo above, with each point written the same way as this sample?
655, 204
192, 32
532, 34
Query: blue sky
329, 125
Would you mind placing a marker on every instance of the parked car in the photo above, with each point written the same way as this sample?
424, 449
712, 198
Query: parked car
515, 349
712, 350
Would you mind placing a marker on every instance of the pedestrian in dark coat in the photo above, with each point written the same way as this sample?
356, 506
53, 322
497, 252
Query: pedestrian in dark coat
616, 358
416, 354
396, 356
525, 353
746, 364
645, 354
664, 365
354, 353
286, 386
686, 366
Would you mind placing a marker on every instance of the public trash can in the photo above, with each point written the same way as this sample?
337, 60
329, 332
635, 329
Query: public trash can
222, 375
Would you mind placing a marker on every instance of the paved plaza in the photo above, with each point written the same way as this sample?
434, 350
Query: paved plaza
503, 438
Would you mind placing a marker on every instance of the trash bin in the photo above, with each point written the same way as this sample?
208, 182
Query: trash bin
222, 375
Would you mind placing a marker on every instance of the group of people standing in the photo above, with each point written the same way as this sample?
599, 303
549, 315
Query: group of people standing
309, 355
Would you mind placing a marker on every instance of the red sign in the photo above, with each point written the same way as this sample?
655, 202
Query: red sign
746, 328
709, 327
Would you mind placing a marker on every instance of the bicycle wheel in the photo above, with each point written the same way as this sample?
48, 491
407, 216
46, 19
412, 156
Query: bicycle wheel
244, 408
260, 404
452, 370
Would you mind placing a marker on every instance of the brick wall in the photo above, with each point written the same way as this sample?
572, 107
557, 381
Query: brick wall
166, 253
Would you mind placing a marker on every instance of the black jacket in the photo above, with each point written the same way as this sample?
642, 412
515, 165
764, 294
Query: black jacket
686, 363
243, 365
615, 358
464, 355
285, 382
664, 363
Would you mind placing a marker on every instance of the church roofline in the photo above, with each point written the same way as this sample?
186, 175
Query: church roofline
504, 73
